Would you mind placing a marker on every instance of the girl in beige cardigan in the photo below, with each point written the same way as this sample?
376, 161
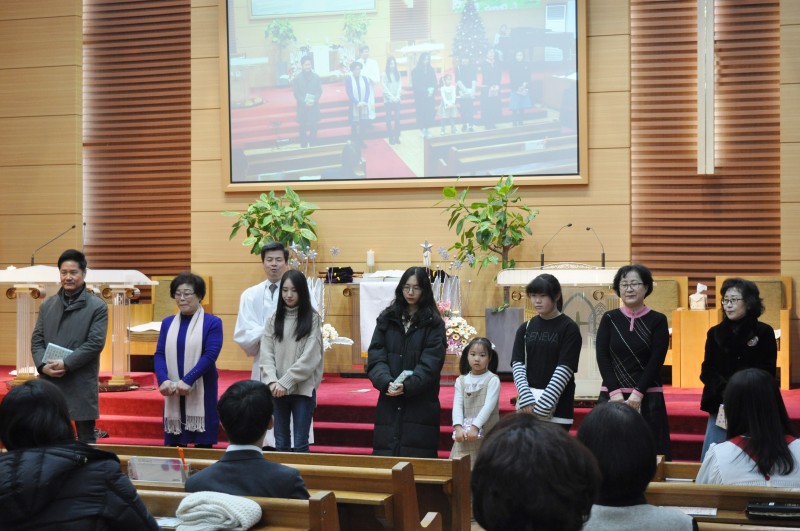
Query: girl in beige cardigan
291, 362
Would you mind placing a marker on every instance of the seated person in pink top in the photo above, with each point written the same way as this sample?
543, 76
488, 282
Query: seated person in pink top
245, 411
761, 448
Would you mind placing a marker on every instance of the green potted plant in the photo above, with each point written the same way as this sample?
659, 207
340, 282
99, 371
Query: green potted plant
285, 219
488, 229
355, 27
280, 32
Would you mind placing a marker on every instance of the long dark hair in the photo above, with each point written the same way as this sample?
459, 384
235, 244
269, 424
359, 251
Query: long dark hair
305, 318
426, 305
754, 408
392, 74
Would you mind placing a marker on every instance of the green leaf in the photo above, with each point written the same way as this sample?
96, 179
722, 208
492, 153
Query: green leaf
449, 192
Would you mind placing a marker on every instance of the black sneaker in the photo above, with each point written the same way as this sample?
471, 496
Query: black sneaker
100, 434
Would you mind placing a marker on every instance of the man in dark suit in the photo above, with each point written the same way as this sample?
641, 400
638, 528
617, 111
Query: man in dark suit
245, 411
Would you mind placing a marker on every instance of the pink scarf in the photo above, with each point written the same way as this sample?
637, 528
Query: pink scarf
633, 315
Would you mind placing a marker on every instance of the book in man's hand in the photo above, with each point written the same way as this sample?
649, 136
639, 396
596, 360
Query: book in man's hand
54, 352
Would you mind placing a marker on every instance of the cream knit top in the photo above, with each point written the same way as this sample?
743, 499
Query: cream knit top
294, 365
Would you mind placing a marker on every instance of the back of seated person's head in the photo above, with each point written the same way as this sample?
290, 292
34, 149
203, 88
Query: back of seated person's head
245, 411
622, 442
754, 407
34, 414
531, 475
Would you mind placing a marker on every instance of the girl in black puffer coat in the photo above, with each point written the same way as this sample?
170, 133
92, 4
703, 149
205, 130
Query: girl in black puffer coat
409, 336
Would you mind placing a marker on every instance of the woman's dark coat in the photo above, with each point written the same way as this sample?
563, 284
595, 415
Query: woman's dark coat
407, 425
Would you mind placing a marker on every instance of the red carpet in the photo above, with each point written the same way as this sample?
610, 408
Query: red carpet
345, 412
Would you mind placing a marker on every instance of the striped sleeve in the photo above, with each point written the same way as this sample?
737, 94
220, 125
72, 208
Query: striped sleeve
552, 393
524, 395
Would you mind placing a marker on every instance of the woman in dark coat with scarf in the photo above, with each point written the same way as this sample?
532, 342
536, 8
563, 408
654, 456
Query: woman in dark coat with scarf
409, 336
739, 342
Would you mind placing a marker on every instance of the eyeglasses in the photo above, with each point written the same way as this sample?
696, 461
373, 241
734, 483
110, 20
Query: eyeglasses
411, 289
632, 285
183, 294
731, 301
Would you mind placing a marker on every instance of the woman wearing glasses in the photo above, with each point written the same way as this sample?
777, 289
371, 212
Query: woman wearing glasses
632, 342
185, 366
739, 342
405, 361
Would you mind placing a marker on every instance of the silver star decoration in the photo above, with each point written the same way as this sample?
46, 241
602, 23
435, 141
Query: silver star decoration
334, 251
442, 250
470, 259
312, 255
295, 247
295, 263
457, 265
426, 247
301, 255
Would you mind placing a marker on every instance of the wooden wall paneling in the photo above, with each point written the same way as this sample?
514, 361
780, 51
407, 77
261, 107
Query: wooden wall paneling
35, 186
790, 239
790, 162
40, 140
790, 54
608, 17
609, 116
45, 91
18, 238
205, 22
38, 42
25, 9
206, 138
790, 12
205, 84
609, 57
790, 109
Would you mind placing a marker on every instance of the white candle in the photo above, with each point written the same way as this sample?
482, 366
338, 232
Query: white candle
370, 257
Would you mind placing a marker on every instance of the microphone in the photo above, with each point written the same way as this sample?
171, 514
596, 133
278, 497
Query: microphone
49, 242
602, 249
541, 255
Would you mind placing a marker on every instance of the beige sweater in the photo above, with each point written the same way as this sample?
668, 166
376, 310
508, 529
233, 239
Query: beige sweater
294, 365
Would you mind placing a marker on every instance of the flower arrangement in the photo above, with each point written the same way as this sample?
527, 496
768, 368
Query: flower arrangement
331, 337
457, 329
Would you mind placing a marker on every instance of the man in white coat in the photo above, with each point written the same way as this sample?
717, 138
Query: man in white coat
256, 305
259, 302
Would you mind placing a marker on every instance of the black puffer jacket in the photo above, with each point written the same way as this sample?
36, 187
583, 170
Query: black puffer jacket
407, 425
68, 487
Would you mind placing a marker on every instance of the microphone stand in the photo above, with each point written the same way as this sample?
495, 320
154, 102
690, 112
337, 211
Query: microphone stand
48, 243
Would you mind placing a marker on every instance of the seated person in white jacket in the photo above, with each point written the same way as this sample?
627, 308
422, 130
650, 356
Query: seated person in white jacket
761, 448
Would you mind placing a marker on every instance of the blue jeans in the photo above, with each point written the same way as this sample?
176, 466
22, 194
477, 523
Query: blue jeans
300, 409
714, 434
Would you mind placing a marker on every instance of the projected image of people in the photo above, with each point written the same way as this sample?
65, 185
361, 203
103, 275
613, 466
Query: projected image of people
424, 89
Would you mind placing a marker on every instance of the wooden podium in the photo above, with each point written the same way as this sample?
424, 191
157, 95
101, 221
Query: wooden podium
587, 293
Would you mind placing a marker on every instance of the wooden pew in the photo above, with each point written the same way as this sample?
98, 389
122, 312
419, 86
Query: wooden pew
495, 157
316, 514
730, 501
293, 162
436, 148
442, 485
676, 470
363, 495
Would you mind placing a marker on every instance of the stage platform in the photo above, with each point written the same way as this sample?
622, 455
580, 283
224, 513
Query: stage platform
343, 421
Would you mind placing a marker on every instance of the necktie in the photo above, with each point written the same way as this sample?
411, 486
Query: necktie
272, 288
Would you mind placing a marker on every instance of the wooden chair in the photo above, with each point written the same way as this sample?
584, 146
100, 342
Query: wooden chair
777, 295
670, 296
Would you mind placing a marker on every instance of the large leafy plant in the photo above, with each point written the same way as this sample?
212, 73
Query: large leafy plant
490, 227
285, 219
281, 32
